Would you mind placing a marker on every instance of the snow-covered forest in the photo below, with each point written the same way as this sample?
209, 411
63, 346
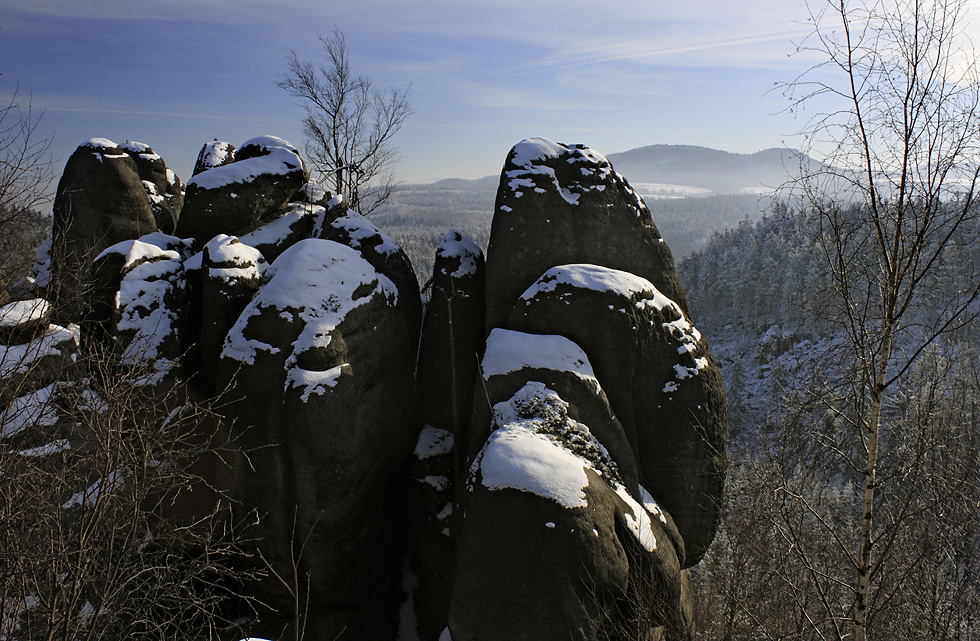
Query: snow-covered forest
781, 564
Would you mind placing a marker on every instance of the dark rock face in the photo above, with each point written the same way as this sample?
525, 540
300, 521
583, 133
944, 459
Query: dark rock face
230, 198
451, 342
663, 383
452, 336
100, 201
546, 496
560, 204
594, 488
163, 188
230, 275
431, 486
322, 358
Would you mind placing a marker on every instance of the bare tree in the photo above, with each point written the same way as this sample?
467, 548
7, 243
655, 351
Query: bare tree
349, 125
25, 174
897, 100
109, 525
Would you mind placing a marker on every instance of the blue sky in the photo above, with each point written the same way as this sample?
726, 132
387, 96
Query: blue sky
614, 75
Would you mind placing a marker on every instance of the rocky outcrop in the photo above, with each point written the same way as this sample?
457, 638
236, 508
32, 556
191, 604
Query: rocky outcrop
662, 381
231, 272
595, 450
560, 204
567, 535
214, 154
33, 352
322, 361
451, 342
381, 251
163, 188
536, 453
100, 201
140, 306
452, 336
231, 198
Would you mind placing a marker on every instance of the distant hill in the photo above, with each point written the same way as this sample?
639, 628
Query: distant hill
679, 170
690, 169
692, 193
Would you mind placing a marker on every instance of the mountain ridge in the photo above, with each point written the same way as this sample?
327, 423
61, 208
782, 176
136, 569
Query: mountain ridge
666, 168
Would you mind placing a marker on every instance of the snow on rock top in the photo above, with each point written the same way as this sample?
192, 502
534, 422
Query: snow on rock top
318, 281
455, 245
519, 458
510, 351
269, 142
155, 246
23, 311
99, 143
279, 161
538, 448
141, 149
19, 359
531, 157
214, 154
234, 258
152, 273
595, 278
279, 228
643, 295
359, 228
530, 150
532, 451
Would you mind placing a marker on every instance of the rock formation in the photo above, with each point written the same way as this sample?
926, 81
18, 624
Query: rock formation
266, 173
163, 188
537, 453
595, 453
100, 201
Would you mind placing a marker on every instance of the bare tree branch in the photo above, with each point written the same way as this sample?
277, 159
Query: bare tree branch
349, 125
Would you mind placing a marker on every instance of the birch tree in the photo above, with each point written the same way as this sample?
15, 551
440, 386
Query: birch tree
349, 125
896, 100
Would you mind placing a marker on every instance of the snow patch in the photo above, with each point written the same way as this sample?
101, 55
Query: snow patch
54, 447
23, 311
99, 143
639, 521
280, 228
511, 351
102, 487
313, 382
518, 458
18, 359
595, 278
433, 442
30, 410
280, 161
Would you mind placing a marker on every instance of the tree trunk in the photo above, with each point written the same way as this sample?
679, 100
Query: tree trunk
870, 478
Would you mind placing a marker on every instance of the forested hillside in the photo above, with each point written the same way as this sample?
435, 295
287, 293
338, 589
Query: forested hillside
780, 568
